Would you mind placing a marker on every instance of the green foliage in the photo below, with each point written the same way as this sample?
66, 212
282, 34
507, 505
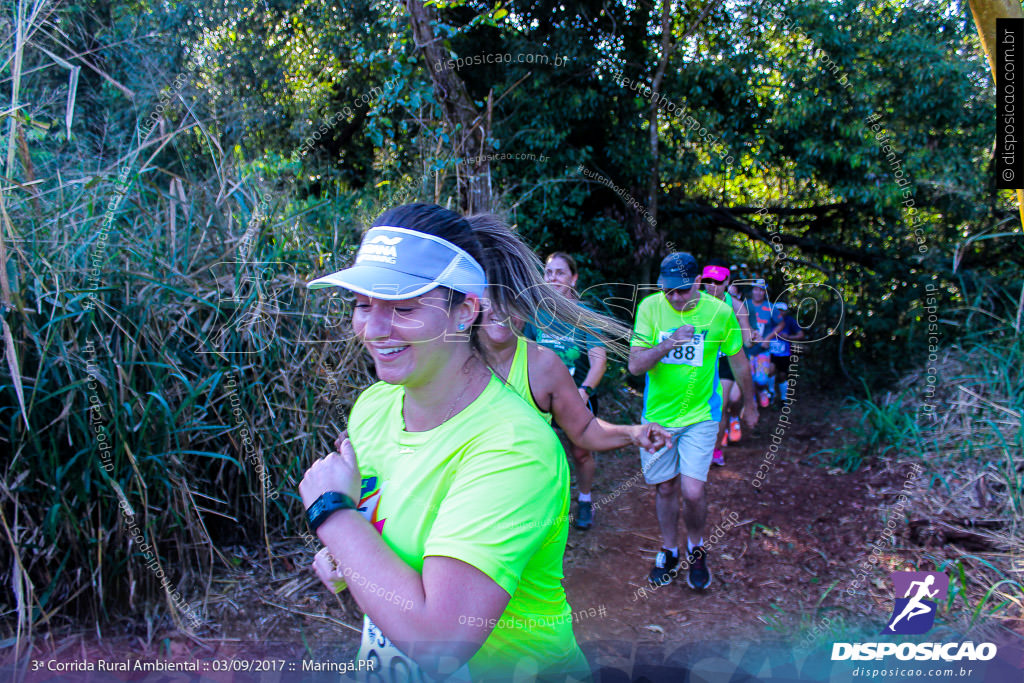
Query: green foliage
786, 90
882, 430
976, 596
188, 381
177, 381
304, 120
959, 418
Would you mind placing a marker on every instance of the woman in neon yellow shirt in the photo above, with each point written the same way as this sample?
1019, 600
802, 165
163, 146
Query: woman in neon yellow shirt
456, 557
540, 377
534, 372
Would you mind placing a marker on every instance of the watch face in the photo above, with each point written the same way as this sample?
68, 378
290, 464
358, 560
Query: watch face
315, 508
335, 501
327, 504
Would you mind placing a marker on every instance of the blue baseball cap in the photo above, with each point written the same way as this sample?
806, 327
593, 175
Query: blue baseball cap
678, 271
398, 263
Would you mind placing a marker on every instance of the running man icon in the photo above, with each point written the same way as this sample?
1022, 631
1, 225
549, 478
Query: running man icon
916, 609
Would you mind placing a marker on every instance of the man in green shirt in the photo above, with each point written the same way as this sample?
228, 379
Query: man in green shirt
676, 338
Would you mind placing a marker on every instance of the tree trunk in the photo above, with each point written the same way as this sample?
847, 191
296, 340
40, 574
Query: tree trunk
654, 180
650, 237
467, 127
985, 14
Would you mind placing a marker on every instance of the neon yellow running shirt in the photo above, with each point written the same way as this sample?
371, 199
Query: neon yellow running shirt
489, 487
682, 388
519, 376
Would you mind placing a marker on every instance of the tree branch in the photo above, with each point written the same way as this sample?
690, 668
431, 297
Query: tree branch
468, 126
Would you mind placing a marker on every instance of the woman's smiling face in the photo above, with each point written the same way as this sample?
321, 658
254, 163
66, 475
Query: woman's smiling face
498, 328
411, 341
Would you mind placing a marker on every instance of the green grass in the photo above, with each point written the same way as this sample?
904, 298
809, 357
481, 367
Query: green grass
970, 450
166, 337
880, 430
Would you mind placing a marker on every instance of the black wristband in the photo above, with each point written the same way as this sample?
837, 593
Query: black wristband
325, 506
589, 390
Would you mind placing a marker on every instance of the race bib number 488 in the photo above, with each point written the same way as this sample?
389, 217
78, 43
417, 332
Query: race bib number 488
691, 353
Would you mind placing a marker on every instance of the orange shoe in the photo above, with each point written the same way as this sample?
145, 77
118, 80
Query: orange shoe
763, 398
734, 434
725, 440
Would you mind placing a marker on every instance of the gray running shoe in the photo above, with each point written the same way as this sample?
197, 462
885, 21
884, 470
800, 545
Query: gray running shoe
699, 576
584, 514
665, 568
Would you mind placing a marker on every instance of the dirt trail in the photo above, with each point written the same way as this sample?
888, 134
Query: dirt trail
803, 530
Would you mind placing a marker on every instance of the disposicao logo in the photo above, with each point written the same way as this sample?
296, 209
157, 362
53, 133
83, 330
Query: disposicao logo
917, 597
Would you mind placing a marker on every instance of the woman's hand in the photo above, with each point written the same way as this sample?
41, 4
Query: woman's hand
651, 436
327, 571
334, 472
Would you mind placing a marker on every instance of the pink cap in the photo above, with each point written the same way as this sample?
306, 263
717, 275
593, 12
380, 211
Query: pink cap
720, 273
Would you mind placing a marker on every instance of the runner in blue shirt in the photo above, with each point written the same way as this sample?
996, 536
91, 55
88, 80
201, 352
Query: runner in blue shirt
763, 321
786, 331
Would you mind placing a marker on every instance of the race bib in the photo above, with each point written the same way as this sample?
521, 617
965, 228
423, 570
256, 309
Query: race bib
691, 353
385, 663
777, 347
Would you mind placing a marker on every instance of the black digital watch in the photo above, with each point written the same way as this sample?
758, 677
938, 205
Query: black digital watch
325, 506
